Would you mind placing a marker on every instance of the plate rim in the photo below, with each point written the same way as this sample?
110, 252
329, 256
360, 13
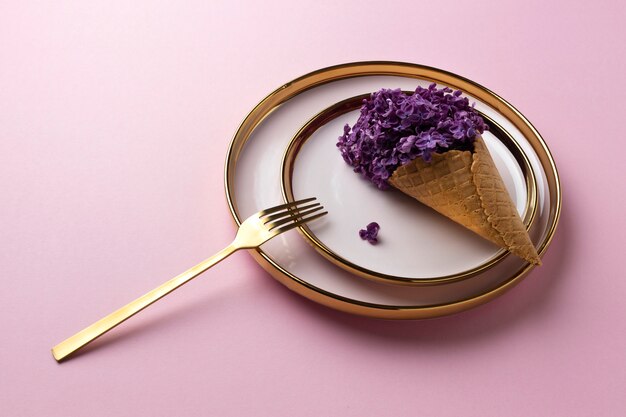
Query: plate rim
341, 107
389, 68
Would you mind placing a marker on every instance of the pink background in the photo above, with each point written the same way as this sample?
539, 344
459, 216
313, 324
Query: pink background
114, 123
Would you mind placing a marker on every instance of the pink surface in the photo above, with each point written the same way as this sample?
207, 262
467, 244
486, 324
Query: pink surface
114, 123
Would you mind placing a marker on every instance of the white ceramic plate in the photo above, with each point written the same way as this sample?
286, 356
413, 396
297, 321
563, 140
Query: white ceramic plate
415, 242
253, 173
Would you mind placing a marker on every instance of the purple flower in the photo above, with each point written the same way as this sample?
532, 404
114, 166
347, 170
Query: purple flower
394, 128
370, 233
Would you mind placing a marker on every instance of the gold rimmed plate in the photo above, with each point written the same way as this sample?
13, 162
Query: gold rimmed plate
253, 181
415, 242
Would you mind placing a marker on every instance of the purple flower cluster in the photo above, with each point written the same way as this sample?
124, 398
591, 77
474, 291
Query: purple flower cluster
370, 233
395, 128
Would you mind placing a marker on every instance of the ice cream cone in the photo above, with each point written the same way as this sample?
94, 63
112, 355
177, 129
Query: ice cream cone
466, 187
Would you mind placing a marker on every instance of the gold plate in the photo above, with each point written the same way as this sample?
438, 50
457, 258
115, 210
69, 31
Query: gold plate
550, 191
353, 103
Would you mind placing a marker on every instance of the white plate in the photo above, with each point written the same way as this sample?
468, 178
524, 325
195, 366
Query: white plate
253, 172
415, 242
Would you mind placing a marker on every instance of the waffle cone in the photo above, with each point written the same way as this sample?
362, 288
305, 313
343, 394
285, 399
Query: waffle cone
467, 188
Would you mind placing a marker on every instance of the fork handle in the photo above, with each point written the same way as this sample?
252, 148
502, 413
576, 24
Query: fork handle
87, 335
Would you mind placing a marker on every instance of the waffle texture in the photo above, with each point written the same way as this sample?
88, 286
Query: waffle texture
467, 188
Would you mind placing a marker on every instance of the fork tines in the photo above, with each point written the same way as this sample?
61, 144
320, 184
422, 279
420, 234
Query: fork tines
287, 216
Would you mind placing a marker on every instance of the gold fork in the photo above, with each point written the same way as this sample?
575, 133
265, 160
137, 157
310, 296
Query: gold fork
253, 232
